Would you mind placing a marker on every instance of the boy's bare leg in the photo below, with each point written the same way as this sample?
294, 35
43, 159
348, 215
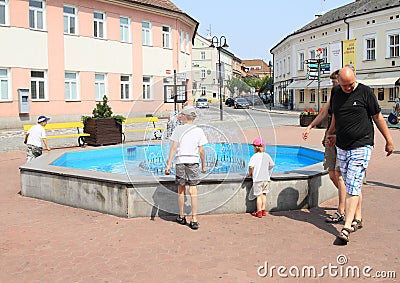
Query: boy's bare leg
264, 201
193, 196
181, 200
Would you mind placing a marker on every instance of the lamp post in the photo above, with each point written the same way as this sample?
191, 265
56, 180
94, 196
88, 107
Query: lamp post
220, 44
271, 90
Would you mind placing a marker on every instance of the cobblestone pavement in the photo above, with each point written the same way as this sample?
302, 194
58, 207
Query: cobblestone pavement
42, 241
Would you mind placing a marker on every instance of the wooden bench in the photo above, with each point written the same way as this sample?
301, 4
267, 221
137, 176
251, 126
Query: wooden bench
157, 130
60, 126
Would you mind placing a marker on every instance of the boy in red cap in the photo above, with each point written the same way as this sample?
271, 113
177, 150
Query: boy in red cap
259, 165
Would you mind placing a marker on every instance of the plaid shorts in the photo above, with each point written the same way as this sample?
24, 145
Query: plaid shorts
353, 164
187, 172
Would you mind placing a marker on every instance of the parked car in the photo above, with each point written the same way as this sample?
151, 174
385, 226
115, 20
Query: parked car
266, 98
241, 102
253, 99
229, 102
202, 102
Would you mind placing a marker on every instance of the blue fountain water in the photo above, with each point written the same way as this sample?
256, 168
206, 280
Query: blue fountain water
150, 159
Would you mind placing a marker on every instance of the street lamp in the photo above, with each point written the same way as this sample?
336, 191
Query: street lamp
220, 44
271, 90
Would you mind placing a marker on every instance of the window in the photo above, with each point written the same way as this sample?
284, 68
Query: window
394, 45
312, 95
99, 25
124, 29
166, 36
4, 85
71, 86
284, 67
369, 50
203, 55
392, 93
125, 87
146, 33
3, 12
203, 74
38, 83
203, 90
324, 93
301, 61
99, 86
182, 41
301, 92
146, 88
187, 43
70, 17
288, 65
312, 54
36, 14
381, 93
324, 54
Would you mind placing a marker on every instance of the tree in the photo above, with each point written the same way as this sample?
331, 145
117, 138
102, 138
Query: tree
263, 84
240, 85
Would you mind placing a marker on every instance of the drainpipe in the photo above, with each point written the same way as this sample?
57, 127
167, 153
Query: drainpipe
348, 28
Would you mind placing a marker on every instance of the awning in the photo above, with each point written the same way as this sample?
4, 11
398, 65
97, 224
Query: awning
322, 84
298, 84
381, 82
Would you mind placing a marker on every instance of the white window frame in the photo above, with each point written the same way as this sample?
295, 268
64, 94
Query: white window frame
301, 95
147, 91
125, 87
395, 48
99, 25
146, 34
324, 95
5, 18
301, 61
71, 86
100, 86
5, 80
393, 93
167, 37
288, 65
37, 13
203, 90
187, 43
70, 17
38, 81
203, 73
324, 54
312, 53
125, 29
182, 40
368, 50
312, 95
203, 55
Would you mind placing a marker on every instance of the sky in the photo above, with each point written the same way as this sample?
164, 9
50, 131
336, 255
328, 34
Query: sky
253, 27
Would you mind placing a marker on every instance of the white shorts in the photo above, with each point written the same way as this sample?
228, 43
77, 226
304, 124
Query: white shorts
260, 188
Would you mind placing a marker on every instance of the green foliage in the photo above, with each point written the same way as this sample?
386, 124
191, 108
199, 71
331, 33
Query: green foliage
103, 110
239, 84
263, 84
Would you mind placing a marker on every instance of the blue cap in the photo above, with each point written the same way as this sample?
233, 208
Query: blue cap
42, 119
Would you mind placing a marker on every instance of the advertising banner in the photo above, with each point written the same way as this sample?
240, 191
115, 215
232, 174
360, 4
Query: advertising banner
349, 53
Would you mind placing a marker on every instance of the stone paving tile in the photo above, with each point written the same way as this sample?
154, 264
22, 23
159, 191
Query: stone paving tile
46, 242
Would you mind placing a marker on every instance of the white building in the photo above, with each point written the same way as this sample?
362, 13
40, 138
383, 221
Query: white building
364, 34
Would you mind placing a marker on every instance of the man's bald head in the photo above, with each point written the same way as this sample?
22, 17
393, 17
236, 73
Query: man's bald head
347, 79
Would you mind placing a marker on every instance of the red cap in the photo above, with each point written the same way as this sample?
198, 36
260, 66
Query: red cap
258, 142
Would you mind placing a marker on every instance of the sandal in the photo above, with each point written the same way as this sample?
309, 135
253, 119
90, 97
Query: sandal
194, 225
344, 234
356, 224
335, 218
181, 220
258, 214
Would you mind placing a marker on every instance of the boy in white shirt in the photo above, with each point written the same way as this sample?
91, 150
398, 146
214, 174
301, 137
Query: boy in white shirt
187, 142
35, 137
259, 165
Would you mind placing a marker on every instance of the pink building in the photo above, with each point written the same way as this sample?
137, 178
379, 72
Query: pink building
58, 58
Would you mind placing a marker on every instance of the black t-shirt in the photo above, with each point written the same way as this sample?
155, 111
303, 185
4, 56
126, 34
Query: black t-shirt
353, 116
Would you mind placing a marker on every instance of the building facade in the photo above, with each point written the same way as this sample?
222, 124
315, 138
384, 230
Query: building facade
205, 69
363, 34
59, 58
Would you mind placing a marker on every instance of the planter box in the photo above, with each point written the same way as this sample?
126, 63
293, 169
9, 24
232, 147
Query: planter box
103, 131
306, 120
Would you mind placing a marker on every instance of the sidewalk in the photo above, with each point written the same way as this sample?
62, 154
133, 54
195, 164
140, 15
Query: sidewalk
46, 242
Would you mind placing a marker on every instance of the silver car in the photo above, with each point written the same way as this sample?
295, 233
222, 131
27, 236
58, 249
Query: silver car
202, 102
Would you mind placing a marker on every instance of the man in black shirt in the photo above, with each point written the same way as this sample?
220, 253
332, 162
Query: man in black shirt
354, 107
